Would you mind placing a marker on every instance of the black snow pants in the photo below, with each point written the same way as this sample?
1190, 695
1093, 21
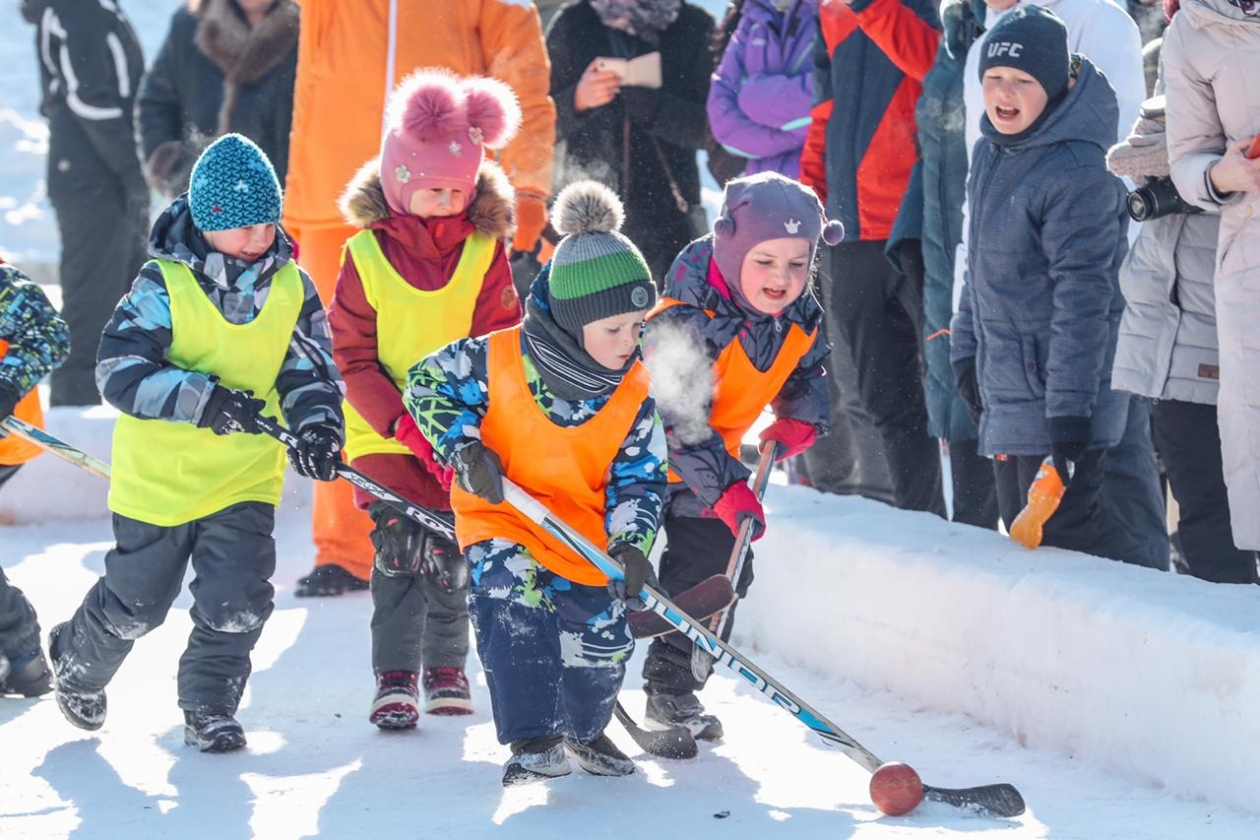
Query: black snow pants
233, 557
19, 628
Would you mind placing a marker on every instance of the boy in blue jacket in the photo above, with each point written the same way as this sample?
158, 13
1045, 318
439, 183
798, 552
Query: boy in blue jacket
1035, 333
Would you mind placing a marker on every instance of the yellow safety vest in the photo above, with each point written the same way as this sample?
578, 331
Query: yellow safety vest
167, 473
411, 323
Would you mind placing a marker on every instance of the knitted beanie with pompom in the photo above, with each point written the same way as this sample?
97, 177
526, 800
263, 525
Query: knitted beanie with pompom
437, 125
596, 272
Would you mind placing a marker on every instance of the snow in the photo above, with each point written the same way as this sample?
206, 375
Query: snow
1122, 702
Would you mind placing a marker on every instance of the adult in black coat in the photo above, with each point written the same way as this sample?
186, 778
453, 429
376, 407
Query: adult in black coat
226, 65
599, 121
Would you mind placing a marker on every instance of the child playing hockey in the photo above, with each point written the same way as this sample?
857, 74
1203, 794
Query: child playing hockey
1035, 333
560, 406
428, 267
220, 327
33, 340
738, 329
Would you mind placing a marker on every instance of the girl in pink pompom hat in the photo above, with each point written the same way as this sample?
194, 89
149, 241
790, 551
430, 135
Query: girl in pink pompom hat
428, 267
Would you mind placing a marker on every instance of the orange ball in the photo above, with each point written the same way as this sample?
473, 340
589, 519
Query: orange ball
896, 789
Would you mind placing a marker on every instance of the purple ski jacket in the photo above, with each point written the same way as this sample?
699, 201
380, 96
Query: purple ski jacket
762, 90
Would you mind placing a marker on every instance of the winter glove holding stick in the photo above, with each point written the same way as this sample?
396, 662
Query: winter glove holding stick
639, 572
317, 453
479, 471
737, 502
793, 436
968, 387
229, 411
1069, 439
407, 433
9, 398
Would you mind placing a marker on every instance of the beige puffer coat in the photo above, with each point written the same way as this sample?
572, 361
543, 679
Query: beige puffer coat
1211, 59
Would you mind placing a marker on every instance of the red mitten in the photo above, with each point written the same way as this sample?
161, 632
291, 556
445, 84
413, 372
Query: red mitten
793, 436
406, 433
739, 502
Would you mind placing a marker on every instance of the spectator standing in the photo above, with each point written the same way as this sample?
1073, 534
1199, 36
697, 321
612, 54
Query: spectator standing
350, 55
760, 95
1211, 52
870, 58
90, 65
1168, 351
225, 66
640, 141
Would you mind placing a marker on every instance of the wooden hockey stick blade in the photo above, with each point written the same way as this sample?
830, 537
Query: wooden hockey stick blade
1000, 800
674, 742
700, 601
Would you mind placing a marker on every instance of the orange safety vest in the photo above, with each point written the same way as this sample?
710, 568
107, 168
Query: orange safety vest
13, 449
740, 391
564, 468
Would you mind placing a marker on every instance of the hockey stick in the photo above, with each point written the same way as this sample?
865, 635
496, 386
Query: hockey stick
998, 800
701, 663
55, 445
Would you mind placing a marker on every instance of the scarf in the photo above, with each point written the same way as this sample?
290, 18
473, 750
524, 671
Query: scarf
637, 17
566, 368
245, 56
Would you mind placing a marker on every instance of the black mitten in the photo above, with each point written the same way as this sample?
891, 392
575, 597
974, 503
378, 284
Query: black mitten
479, 471
639, 572
317, 453
229, 411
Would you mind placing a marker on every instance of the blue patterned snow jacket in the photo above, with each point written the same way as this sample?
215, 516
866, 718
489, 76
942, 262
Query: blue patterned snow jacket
1041, 307
38, 338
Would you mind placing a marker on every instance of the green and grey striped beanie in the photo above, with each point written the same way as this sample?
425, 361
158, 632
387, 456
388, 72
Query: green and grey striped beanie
596, 272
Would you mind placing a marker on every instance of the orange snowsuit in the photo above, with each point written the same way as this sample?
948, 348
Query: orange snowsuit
344, 74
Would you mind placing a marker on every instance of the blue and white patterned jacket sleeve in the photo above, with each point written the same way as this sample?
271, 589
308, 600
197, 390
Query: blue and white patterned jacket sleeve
447, 394
38, 338
310, 386
637, 481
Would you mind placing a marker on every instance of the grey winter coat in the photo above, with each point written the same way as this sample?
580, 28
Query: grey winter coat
1211, 58
1041, 305
1167, 348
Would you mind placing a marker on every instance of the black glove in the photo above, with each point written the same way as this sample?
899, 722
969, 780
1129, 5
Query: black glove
1069, 439
229, 411
968, 387
638, 573
479, 471
9, 398
317, 453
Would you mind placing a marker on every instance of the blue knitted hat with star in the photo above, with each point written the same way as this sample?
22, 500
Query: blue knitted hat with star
233, 185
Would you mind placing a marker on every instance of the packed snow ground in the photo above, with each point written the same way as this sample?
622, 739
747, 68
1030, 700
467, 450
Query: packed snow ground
852, 598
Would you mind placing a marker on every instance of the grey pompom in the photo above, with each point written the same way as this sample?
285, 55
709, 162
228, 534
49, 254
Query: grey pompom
587, 207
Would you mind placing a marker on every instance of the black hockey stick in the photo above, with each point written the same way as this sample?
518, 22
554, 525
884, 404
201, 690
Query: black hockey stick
997, 800
674, 742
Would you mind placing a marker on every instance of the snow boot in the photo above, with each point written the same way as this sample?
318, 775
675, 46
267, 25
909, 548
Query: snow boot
28, 675
397, 704
600, 757
213, 732
446, 692
668, 710
85, 709
536, 760
328, 582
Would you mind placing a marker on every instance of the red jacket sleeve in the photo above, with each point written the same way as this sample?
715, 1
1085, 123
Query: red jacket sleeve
498, 306
908, 40
353, 322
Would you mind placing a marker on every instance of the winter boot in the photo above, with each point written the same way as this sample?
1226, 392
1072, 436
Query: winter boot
668, 710
328, 582
85, 710
600, 757
397, 704
213, 732
28, 675
446, 692
536, 760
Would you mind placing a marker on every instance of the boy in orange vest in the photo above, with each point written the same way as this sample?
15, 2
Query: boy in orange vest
427, 267
738, 329
33, 340
559, 405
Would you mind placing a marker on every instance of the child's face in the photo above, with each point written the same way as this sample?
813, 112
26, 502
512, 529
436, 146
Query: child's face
1013, 99
611, 341
775, 273
428, 204
244, 243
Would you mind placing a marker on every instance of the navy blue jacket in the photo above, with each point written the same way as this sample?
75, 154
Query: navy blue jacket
1041, 307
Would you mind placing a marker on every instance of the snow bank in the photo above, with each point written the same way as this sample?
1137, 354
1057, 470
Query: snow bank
1153, 675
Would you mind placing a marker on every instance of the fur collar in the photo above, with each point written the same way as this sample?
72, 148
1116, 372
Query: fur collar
244, 55
491, 212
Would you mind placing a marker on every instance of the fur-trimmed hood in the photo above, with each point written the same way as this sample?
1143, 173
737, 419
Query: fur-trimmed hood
492, 211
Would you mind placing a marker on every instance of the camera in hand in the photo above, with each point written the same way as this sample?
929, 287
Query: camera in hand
1155, 198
